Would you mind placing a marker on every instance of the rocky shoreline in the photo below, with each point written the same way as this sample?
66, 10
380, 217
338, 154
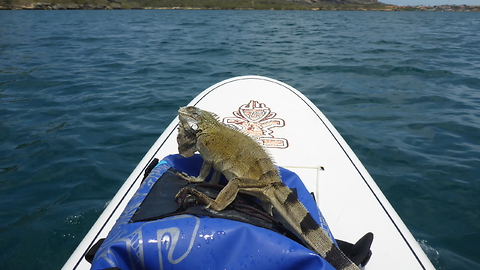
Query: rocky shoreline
118, 5
70, 6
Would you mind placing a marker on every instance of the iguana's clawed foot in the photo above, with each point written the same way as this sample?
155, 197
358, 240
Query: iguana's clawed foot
191, 179
187, 194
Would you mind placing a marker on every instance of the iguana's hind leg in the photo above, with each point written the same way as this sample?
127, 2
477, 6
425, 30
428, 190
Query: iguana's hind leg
228, 193
201, 197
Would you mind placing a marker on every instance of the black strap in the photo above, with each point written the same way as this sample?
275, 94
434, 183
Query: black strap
150, 167
91, 252
359, 252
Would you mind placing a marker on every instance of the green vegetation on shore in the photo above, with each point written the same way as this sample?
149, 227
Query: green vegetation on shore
194, 4
221, 4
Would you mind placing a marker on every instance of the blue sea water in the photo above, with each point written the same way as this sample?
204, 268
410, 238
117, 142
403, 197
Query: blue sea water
84, 94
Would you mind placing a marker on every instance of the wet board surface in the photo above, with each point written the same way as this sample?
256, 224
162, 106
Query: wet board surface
300, 138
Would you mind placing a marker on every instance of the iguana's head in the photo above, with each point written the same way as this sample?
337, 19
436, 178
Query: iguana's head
197, 119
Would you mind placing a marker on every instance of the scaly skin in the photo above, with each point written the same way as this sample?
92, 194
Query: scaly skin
248, 169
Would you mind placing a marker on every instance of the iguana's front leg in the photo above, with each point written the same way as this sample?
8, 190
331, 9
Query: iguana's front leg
215, 177
228, 194
204, 171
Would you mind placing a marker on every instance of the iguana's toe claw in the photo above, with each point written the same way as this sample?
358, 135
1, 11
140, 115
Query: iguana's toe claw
189, 178
184, 196
183, 175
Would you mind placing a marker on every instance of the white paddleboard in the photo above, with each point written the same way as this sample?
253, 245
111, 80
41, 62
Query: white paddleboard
300, 138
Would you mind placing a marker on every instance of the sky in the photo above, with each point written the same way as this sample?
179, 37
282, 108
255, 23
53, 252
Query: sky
431, 2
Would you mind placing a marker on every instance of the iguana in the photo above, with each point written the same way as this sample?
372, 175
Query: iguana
248, 169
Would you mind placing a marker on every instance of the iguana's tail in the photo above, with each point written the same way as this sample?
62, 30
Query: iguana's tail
295, 213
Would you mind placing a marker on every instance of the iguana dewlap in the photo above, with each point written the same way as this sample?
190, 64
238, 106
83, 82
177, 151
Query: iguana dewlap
248, 169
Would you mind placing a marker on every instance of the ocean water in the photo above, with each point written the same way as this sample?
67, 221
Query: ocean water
84, 94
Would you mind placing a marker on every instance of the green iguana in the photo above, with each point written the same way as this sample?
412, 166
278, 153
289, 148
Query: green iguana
248, 169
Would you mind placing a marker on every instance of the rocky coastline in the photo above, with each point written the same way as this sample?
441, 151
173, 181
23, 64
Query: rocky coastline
118, 5
112, 4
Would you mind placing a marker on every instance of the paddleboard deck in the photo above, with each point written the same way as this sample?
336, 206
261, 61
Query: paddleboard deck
300, 138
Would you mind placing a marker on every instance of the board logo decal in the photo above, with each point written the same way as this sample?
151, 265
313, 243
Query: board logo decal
257, 120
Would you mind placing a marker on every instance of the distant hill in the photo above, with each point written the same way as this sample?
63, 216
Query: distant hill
224, 4
193, 4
